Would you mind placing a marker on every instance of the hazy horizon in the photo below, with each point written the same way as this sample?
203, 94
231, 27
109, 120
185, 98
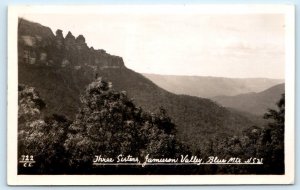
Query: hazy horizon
212, 76
228, 46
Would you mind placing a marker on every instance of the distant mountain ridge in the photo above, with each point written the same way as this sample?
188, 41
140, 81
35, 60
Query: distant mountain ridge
60, 69
255, 103
208, 87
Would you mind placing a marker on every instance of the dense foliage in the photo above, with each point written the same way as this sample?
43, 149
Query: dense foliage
40, 137
266, 142
108, 124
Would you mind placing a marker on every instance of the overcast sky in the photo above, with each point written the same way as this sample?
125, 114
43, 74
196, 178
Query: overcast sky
236, 46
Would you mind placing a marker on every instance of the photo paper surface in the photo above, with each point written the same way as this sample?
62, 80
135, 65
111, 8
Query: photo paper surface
151, 95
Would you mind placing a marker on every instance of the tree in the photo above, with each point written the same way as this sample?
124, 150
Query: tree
277, 117
43, 139
273, 138
29, 115
109, 124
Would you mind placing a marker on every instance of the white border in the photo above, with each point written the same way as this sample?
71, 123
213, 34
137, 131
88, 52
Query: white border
12, 107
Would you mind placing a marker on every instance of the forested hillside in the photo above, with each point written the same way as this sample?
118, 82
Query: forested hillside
254, 103
60, 68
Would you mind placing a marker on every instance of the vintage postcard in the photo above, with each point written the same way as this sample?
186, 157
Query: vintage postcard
151, 94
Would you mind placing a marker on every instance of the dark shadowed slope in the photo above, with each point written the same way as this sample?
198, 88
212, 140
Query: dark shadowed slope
208, 87
60, 68
255, 103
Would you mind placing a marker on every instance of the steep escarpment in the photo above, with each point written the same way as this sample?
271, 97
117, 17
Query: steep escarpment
38, 45
61, 67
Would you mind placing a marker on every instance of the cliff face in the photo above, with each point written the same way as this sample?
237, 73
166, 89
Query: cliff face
59, 67
38, 45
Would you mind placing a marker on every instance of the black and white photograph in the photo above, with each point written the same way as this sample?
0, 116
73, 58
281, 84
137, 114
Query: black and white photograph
111, 92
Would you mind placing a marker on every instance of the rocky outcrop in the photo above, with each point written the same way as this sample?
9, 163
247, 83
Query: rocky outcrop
38, 45
59, 40
69, 41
